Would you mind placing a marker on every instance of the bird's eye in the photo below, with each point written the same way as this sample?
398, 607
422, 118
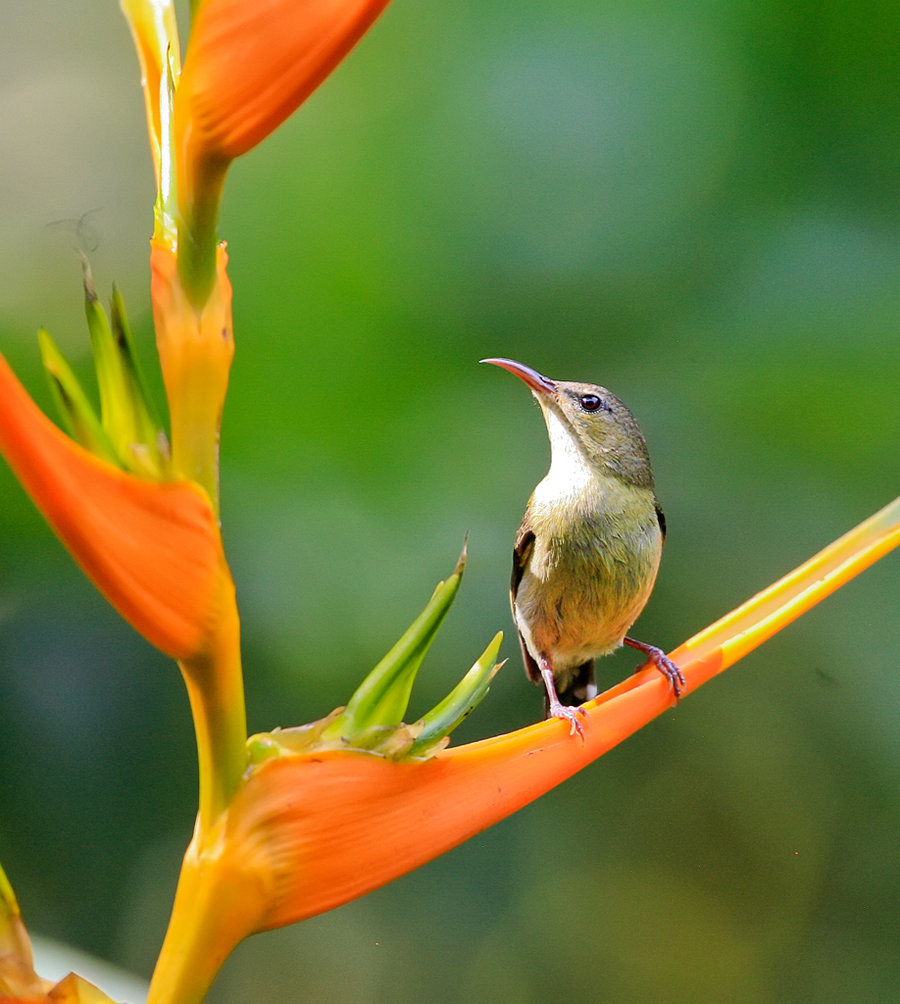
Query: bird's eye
591, 402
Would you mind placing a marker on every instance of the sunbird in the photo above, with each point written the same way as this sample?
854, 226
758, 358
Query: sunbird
588, 548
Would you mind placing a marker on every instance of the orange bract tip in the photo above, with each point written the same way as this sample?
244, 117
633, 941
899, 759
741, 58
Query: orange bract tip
249, 65
153, 549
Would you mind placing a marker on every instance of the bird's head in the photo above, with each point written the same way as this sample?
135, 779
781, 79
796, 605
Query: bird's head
591, 420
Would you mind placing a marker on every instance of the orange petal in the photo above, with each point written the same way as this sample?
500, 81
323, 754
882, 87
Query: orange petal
152, 549
19, 984
309, 832
18, 980
195, 352
249, 65
341, 824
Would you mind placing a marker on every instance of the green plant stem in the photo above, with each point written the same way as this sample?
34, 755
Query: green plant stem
215, 688
198, 231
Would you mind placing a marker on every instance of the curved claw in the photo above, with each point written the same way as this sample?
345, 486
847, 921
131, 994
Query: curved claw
670, 671
569, 715
663, 663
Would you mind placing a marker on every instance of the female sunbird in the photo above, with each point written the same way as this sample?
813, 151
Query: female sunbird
588, 548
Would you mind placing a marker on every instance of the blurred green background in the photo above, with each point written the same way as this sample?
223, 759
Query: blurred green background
695, 204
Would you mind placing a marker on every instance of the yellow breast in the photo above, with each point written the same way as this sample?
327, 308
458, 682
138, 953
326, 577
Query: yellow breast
592, 568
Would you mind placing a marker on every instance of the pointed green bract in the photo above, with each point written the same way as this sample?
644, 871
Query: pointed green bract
373, 718
131, 367
382, 698
127, 432
394, 740
459, 703
126, 415
77, 412
149, 451
114, 408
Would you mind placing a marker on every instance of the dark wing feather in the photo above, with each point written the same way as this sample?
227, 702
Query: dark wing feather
661, 516
521, 556
531, 667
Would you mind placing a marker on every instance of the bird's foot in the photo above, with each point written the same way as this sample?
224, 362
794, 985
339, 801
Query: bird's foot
663, 663
554, 707
570, 715
670, 671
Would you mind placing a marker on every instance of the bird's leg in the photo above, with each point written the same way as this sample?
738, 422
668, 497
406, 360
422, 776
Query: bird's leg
555, 708
663, 663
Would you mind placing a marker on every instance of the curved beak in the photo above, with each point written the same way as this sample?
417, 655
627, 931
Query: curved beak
538, 383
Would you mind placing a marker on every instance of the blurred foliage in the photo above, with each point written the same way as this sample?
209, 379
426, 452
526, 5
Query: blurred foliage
695, 204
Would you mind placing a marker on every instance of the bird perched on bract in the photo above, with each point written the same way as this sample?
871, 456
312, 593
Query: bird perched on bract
588, 548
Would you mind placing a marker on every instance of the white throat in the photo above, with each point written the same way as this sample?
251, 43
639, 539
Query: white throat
569, 471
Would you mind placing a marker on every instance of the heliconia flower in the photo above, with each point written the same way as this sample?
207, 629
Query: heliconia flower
308, 831
296, 821
152, 548
250, 65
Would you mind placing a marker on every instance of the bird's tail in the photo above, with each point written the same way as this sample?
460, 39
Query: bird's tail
578, 688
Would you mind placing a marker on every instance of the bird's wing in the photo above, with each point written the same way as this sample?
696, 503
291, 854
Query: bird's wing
532, 669
661, 516
521, 556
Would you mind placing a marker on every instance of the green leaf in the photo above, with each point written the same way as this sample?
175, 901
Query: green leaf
382, 698
131, 367
114, 409
460, 702
75, 409
148, 430
125, 412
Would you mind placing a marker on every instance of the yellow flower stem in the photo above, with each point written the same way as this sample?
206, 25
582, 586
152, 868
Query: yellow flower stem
190, 956
215, 689
155, 31
194, 949
205, 924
